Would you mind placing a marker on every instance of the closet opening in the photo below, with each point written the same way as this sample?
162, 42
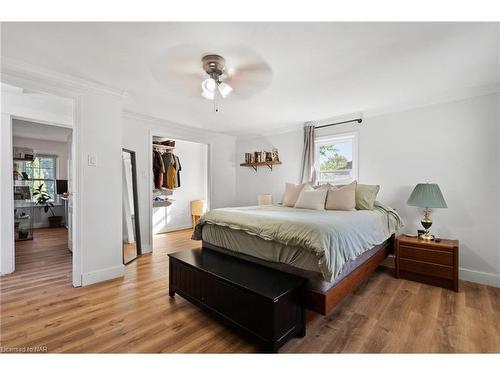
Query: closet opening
179, 186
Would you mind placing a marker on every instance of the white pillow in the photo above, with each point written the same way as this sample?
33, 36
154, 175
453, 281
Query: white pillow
292, 192
312, 199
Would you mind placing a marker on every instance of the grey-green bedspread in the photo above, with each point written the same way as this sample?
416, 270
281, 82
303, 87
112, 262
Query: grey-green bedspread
334, 237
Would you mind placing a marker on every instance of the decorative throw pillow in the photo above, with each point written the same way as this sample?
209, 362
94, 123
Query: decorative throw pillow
365, 196
292, 192
323, 186
342, 198
312, 199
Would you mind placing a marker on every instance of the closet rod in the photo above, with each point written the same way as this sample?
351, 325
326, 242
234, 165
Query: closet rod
358, 120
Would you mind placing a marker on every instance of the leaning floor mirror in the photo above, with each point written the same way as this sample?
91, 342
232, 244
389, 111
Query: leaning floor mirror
130, 210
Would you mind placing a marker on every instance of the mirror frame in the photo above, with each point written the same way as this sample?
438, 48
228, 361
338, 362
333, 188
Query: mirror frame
138, 239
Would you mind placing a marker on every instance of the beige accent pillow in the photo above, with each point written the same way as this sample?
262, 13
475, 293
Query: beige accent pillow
366, 196
342, 198
312, 199
323, 186
292, 192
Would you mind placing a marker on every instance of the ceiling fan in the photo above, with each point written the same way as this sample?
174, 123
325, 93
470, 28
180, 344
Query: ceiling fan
214, 66
240, 74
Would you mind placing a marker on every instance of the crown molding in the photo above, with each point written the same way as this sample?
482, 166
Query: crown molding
440, 98
160, 122
25, 71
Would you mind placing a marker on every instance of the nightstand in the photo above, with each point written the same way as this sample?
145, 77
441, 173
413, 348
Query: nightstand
429, 262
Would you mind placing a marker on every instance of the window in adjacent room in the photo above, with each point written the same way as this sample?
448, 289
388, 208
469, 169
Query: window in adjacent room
336, 159
44, 172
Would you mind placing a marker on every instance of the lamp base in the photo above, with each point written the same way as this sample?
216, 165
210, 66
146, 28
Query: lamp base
426, 223
427, 236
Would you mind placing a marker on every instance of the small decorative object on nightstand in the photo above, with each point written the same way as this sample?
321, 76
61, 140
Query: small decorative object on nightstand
432, 262
427, 196
265, 199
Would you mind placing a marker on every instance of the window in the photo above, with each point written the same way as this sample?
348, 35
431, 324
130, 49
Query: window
336, 159
43, 171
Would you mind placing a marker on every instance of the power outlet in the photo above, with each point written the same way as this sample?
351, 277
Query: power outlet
92, 162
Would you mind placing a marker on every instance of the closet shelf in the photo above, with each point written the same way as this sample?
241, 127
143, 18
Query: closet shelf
162, 147
160, 192
165, 203
261, 164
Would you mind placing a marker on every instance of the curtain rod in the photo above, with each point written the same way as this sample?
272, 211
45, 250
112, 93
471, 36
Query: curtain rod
358, 120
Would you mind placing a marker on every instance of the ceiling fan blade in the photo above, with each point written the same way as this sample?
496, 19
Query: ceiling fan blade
249, 79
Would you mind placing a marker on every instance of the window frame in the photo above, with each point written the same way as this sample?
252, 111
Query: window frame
332, 139
47, 156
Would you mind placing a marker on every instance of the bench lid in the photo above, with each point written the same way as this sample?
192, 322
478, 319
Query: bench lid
262, 280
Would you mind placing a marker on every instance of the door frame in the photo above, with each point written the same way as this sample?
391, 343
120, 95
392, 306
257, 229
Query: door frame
76, 158
137, 220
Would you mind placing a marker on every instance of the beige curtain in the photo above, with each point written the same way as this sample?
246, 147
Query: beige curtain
308, 159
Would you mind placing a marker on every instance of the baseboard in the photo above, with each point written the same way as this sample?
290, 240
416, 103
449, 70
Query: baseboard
102, 275
480, 277
146, 249
176, 228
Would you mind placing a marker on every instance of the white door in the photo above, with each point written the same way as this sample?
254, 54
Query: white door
69, 203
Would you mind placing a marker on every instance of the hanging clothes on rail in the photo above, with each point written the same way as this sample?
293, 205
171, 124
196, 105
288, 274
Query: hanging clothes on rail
158, 169
178, 168
168, 161
171, 179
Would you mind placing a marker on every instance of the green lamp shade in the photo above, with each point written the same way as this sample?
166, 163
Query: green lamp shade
427, 196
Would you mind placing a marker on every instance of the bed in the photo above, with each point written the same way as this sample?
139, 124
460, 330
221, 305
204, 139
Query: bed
334, 250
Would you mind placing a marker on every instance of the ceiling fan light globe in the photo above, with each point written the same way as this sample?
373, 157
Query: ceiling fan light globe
208, 94
224, 89
209, 85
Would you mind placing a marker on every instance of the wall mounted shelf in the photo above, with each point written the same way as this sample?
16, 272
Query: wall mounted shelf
269, 164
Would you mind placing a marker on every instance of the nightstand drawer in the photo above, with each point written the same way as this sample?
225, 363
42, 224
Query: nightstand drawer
424, 268
426, 255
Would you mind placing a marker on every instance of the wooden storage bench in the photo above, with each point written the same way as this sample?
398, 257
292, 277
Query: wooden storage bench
260, 302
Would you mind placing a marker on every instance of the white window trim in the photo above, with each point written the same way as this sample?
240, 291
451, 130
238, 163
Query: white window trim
337, 138
55, 157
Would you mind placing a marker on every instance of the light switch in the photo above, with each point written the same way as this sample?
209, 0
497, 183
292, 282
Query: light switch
92, 160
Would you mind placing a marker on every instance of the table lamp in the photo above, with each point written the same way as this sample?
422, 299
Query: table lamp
427, 196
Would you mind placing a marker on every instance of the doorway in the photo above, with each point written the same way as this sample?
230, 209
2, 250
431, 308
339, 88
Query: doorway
41, 202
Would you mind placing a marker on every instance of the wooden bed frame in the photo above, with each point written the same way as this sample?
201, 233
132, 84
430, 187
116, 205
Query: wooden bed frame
324, 302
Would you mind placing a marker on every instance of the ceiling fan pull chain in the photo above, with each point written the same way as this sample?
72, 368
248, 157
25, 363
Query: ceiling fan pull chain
216, 102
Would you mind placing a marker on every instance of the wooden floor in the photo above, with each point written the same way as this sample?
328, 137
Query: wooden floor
39, 308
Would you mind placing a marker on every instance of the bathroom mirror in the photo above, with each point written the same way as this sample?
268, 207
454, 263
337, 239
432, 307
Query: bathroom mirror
130, 210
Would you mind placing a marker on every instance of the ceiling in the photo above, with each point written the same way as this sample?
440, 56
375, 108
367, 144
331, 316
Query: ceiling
34, 130
319, 70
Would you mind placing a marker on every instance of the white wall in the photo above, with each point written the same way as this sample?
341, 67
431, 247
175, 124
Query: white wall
193, 176
43, 107
101, 188
454, 144
250, 183
137, 136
